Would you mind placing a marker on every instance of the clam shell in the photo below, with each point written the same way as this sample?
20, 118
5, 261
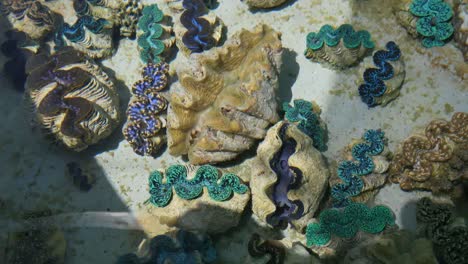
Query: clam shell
306, 158
225, 98
72, 98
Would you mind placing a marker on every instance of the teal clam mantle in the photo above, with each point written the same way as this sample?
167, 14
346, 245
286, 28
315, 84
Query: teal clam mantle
340, 48
345, 223
303, 115
433, 23
205, 176
351, 171
331, 37
150, 44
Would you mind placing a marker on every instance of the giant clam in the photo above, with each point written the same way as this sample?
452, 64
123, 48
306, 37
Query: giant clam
375, 176
196, 28
289, 177
427, 19
434, 160
154, 34
29, 16
122, 13
72, 98
202, 198
382, 84
225, 98
88, 35
341, 47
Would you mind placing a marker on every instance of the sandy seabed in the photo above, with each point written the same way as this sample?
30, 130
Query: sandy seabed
33, 170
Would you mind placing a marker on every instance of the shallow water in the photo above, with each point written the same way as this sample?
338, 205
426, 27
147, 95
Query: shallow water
34, 174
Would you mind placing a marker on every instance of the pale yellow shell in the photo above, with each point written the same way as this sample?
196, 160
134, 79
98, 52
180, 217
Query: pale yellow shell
225, 98
337, 56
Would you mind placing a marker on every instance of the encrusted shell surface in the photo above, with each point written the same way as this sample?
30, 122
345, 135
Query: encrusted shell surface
216, 25
305, 158
393, 85
405, 18
226, 97
460, 22
95, 45
29, 16
72, 98
373, 181
264, 3
435, 159
123, 13
201, 214
337, 56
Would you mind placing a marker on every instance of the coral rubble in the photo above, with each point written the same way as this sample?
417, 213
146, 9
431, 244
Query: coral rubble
226, 98
72, 98
307, 119
428, 19
176, 247
145, 124
29, 16
341, 47
205, 176
382, 84
289, 178
345, 223
90, 36
434, 160
154, 39
264, 3
350, 172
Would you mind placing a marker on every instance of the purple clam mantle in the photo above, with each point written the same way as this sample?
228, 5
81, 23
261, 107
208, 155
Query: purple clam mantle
289, 178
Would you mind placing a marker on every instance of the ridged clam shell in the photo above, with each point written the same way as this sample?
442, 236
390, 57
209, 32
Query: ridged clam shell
72, 98
95, 45
306, 158
393, 85
225, 98
338, 56
31, 17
